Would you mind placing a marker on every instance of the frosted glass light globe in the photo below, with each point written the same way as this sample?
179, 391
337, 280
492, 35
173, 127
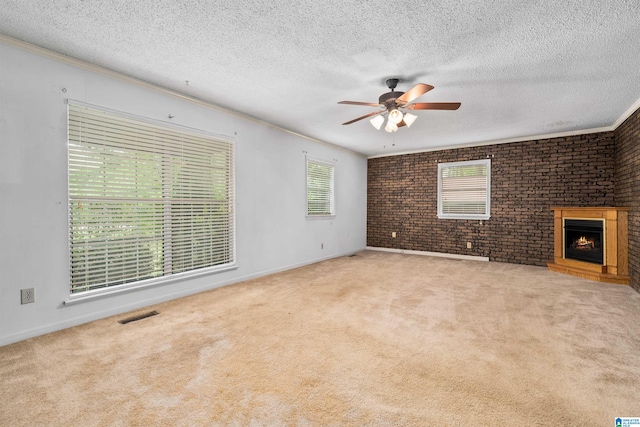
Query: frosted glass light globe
395, 116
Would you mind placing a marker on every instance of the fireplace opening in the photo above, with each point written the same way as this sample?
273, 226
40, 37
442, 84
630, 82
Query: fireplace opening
583, 240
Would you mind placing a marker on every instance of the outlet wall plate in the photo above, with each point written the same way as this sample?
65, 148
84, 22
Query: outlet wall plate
27, 296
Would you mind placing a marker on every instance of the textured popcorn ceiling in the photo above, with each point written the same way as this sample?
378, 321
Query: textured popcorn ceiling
519, 68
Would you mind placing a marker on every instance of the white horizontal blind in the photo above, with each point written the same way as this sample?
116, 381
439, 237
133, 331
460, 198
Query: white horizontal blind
464, 189
145, 200
320, 199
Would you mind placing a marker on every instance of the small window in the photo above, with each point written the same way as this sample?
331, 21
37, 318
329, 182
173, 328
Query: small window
320, 200
464, 190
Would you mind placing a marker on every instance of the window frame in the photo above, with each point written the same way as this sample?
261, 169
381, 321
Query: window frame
225, 146
483, 216
332, 202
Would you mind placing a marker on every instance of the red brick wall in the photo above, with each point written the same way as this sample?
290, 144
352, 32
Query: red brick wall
527, 179
627, 187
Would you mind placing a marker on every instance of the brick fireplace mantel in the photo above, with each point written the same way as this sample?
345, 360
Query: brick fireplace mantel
615, 268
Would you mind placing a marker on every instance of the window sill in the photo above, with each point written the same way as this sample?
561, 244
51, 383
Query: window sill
134, 286
472, 218
312, 217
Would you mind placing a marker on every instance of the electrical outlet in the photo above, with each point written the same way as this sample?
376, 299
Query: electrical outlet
468, 245
27, 296
393, 234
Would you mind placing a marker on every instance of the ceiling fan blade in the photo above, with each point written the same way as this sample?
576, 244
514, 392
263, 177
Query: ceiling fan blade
433, 106
363, 117
369, 104
416, 91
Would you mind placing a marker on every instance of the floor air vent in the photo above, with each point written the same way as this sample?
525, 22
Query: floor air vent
138, 317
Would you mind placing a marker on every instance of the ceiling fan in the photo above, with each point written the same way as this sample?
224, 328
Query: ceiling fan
391, 103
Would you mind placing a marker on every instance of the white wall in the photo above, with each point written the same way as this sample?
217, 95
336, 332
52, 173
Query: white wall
272, 231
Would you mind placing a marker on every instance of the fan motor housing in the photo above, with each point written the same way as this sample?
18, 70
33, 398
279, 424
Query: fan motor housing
389, 96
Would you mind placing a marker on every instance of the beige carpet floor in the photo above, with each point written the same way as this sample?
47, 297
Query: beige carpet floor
377, 339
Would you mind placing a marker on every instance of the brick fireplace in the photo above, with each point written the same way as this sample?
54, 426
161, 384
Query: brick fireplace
591, 243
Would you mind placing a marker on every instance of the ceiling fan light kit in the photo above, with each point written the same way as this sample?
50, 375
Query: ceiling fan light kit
392, 101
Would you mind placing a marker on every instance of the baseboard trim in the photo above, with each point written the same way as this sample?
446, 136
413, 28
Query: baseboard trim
436, 254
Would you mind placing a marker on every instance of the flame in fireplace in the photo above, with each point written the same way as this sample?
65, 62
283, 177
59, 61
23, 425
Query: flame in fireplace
584, 243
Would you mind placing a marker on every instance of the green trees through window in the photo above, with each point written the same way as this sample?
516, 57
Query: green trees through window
145, 201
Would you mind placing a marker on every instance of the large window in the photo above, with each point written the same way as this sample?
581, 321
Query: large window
464, 190
146, 200
320, 200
